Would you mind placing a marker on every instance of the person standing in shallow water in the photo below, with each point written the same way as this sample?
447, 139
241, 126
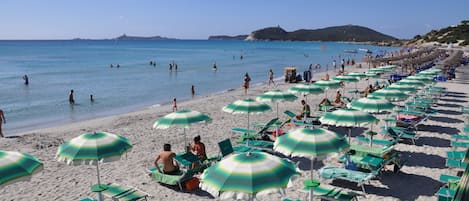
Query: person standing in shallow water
193, 91
175, 106
247, 79
26, 79
71, 100
271, 77
2, 121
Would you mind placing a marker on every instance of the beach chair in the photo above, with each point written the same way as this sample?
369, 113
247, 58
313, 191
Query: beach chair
226, 148
328, 192
445, 194
385, 143
120, 193
452, 163
308, 122
457, 144
172, 180
400, 135
457, 137
249, 134
456, 155
339, 173
445, 178
88, 199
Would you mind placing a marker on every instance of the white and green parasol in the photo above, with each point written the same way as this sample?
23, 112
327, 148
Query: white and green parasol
246, 106
410, 82
16, 166
389, 94
348, 118
357, 75
247, 176
424, 79
372, 105
92, 149
327, 84
401, 87
310, 143
276, 96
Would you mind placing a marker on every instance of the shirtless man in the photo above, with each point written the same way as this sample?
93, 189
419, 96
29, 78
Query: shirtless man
169, 165
2, 121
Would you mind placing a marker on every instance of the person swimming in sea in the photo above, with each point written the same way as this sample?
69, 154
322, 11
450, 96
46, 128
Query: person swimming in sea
214, 67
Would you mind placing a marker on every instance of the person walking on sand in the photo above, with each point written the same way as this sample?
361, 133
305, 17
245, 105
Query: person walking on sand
334, 64
271, 77
342, 63
170, 166
26, 79
70, 98
175, 107
2, 121
193, 91
247, 79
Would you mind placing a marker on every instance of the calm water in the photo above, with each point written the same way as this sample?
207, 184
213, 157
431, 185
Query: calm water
55, 67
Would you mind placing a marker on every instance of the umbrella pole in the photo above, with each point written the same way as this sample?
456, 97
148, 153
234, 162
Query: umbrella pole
311, 188
277, 109
247, 143
100, 196
185, 139
349, 134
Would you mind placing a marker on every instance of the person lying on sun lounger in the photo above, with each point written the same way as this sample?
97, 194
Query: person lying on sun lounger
167, 157
337, 101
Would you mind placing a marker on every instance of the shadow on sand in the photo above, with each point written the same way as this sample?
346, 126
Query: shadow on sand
416, 159
453, 100
445, 119
455, 96
432, 141
448, 105
437, 129
344, 130
449, 112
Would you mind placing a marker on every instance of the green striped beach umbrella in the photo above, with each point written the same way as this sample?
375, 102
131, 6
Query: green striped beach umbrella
345, 78
427, 73
403, 88
409, 82
389, 94
181, 118
388, 67
246, 106
327, 84
246, 176
372, 105
376, 70
310, 143
357, 75
306, 89
348, 118
276, 96
16, 166
371, 75
92, 149
421, 78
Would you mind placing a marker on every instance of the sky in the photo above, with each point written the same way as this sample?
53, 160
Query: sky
198, 19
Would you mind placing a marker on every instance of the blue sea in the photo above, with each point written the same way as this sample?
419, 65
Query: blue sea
56, 67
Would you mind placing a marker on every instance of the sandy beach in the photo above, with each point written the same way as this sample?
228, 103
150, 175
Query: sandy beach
418, 179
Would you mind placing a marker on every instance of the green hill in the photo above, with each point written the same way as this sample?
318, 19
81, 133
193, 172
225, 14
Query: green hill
452, 34
349, 33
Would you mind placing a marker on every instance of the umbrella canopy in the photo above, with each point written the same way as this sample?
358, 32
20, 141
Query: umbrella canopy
372, 105
247, 106
306, 89
310, 143
16, 166
424, 79
328, 84
409, 82
276, 96
371, 75
388, 67
305, 142
428, 73
389, 94
348, 118
248, 175
346, 78
183, 118
357, 75
376, 70
91, 148
404, 88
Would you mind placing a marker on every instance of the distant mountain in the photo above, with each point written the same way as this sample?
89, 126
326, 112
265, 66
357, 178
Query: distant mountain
348, 33
225, 37
125, 37
457, 34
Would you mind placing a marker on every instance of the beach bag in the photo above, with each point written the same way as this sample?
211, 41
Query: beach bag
191, 184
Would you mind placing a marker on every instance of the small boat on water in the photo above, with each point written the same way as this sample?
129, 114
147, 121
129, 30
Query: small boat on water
351, 51
365, 50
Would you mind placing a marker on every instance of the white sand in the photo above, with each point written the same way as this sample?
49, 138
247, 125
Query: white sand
417, 181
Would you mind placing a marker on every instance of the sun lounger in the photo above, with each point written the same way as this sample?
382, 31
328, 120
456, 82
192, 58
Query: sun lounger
375, 151
308, 122
456, 155
445, 194
328, 192
460, 137
456, 144
401, 134
248, 134
172, 180
448, 178
330, 172
376, 141
226, 148
451, 163
117, 192
88, 199
259, 144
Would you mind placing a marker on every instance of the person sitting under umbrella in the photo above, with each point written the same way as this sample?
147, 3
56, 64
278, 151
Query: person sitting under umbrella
306, 111
337, 101
170, 166
199, 149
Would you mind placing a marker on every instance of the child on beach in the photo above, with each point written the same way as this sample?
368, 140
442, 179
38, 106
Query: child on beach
175, 107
